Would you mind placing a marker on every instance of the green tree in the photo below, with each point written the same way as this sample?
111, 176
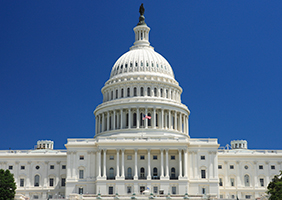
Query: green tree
275, 188
7, 185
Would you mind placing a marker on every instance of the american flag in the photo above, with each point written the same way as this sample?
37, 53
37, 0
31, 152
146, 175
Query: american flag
146, 117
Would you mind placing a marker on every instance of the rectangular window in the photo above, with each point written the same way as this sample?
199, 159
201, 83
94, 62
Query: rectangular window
261, 182
219, 166
272, 166
220, 182
231, 166
203, 190
203, 157
172, 157
221, 196
21, 182
51, 182
155, 157
81, 174
81, 157
128, 189
155, 189
35, 197
112, 157
10, 167
129, 157
142, 188
142, 157
260, 166
63, 167
80, 190
22, 167
111, 190
63, 182
248, 196
232, 196
52, 167
173, 190
232, 182
203, 173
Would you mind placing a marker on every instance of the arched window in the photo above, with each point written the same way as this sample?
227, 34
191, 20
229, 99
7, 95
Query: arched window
149, 120
36, 181
121, 95
142, 172
129, 172
167, 119
141, 120
157, 121
128, 92
127, 120
155, 92
112, 95
81, 174
166, 93
111, 173
141, 91
116, 94
110, 122
148, 91
134, 119
247, 180
155, 172
135, 91
161, 92
171, 95
172, 172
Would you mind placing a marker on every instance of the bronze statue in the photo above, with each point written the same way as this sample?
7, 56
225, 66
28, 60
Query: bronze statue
141, 9
141, 18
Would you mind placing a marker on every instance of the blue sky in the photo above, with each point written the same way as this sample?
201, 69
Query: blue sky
55, 57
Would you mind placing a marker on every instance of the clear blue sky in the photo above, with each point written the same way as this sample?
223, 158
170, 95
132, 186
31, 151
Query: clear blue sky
55, 57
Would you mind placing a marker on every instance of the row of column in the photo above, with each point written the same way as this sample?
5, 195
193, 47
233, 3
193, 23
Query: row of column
126, 118
164, 168
134, 91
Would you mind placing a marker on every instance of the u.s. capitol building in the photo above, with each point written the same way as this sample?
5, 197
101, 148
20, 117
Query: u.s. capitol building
142, 148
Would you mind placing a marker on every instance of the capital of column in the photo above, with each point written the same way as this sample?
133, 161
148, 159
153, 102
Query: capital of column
58, 162
46, 162
17, 162
267, 162
238, 162
255, 162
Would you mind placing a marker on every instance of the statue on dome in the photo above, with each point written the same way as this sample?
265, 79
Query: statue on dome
141, 9
141, 18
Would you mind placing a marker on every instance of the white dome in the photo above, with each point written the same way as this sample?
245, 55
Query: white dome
142, 59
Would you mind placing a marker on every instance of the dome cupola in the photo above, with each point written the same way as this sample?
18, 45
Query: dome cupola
142, 97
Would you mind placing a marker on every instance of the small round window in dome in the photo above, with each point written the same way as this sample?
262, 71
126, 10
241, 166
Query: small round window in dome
37, 167
246, 167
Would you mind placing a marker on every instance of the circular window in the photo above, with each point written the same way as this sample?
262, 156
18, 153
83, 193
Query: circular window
246, 167
37, 167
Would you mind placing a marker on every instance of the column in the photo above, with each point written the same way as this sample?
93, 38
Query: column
191, 173
162, 163
59, 174
169, 119
104, 163
162, 122
88, 164
117, 171
99, 163
255, 175
122, 164
180, 162
74, 158
28, 174
138, 118
184, 123
129, 118
149, 165
114, 120
121, 127
175, 121
103, 122
185, 163
96, 124
108, 121
154, 118
93, 164
146, 120
166, 157
180, 122
135, 166
118, 119
46, 174
210, 165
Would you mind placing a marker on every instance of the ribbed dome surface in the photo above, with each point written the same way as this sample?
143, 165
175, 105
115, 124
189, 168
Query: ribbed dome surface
142, 59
